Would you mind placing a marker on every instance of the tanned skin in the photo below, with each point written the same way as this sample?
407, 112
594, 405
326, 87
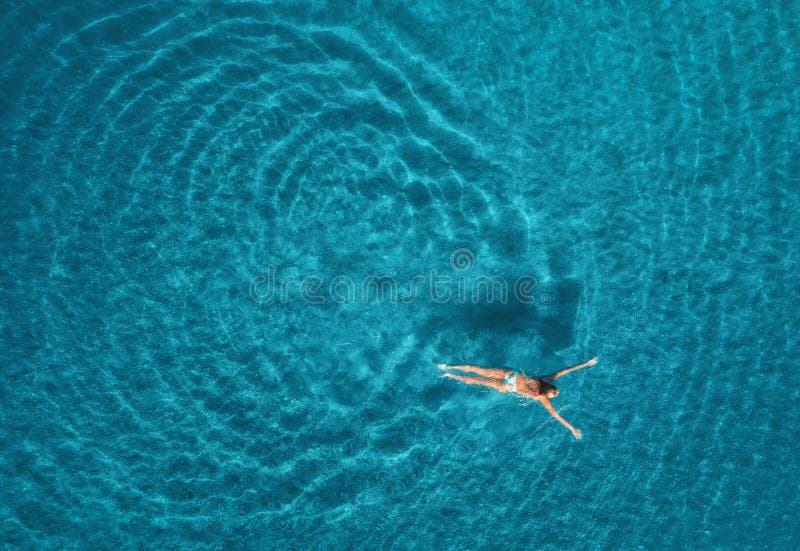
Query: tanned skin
530, 387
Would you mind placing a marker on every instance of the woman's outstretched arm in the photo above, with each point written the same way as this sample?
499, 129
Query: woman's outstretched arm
563, 372
546, 403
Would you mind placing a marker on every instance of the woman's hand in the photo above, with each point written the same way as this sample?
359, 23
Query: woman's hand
577, 433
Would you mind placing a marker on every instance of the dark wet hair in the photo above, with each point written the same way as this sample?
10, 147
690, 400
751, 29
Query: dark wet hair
545, 387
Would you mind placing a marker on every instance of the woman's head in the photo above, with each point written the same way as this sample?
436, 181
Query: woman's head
547, 389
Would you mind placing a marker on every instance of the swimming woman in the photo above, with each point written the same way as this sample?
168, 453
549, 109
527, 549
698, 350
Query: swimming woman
506, 380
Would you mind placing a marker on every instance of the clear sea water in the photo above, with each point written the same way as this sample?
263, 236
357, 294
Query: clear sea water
638, 163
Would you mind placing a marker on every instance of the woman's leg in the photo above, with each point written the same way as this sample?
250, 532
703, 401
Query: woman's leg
485, 371
491, 383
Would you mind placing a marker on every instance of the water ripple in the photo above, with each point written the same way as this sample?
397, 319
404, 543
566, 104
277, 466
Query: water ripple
638, 163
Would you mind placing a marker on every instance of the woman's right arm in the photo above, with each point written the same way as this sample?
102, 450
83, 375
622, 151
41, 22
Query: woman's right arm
546, 403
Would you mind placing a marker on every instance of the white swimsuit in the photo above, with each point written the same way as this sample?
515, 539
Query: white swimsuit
511, 381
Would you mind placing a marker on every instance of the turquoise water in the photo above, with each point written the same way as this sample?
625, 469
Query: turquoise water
166, 165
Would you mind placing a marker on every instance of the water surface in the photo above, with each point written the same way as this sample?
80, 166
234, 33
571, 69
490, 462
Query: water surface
640, 163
